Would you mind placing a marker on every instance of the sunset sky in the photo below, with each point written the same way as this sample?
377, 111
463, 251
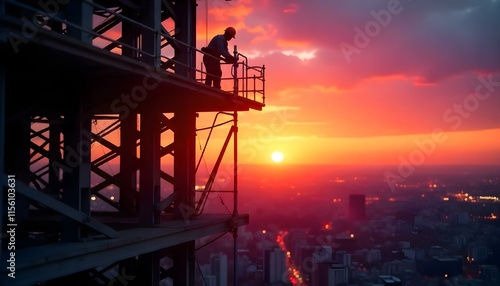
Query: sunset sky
367, 82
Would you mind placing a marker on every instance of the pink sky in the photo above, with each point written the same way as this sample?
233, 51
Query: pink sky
362, 82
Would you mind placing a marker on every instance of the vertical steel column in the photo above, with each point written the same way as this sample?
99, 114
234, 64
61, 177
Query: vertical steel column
150, 162
150, 126
17, 157
128, 127
54, 184
235, 203
2, 106
148, 269
2, 130
149, 193
77, 131
149, 177
128, 160
184, 183
235, 170
184, 164
129, 33
184, 142
184, 270
186, 26
76, 177
151, 37
80, 13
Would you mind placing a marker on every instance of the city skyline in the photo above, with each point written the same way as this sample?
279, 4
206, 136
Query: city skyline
443, 216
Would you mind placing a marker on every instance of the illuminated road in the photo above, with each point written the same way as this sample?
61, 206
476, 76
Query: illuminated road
293, 273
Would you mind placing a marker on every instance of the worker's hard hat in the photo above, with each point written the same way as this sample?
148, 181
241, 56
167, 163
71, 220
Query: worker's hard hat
231, 31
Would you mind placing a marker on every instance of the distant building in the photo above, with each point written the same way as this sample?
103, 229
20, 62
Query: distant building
307, 257
461, 217
489, 273
347, 243
343, 257
404, 244
435, 251
478, 252
323, 253
303, 259
209, 280
396, 267
440, 267
218, 263
373, 255
357, 207
331, 274
460, 240
414, 253
274, 266
390, 280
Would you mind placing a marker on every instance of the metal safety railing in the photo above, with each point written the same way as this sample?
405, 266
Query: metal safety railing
243, 80
161, 52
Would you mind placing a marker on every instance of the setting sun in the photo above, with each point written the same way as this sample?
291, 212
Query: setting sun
277, 157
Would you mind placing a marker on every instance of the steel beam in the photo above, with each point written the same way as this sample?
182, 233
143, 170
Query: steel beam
76, 216
43, 263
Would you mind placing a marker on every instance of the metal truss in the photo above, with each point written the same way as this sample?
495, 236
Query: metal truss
71, 146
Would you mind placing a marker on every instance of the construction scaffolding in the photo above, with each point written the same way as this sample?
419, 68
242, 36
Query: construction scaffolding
90, 84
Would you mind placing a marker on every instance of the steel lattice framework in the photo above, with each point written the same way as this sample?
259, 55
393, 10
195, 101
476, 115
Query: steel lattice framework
97, 97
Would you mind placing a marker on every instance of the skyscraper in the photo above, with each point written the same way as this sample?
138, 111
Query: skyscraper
331, 274
357, 207
218, 264
274, 266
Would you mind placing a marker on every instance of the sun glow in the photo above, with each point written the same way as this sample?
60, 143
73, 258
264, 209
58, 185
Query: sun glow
277, 157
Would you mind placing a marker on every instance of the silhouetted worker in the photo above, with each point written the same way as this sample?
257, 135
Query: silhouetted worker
217, 48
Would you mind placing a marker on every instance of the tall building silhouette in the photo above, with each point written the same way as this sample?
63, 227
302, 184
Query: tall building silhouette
274, 266
219, 265
357, 207
331, 274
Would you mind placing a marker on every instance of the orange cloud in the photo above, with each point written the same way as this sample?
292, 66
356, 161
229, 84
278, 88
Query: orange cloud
262, 33
224, 13
290, 44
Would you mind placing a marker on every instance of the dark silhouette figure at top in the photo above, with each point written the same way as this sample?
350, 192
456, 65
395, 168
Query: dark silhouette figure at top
215, 49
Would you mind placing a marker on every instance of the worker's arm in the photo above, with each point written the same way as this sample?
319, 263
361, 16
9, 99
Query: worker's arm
222, 47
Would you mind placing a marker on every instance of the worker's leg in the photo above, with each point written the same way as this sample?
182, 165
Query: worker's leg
209, 66
218, 76
214, 72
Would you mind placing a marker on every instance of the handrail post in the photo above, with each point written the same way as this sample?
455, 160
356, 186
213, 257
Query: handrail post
235, 66
263, 84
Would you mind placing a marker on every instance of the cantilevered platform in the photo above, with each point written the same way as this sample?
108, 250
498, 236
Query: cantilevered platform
47, 74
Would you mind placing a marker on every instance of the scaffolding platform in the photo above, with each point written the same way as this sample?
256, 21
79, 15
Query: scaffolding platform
45, 76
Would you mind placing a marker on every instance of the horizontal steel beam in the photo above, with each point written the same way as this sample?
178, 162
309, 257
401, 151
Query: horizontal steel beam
46, 262
64, 209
